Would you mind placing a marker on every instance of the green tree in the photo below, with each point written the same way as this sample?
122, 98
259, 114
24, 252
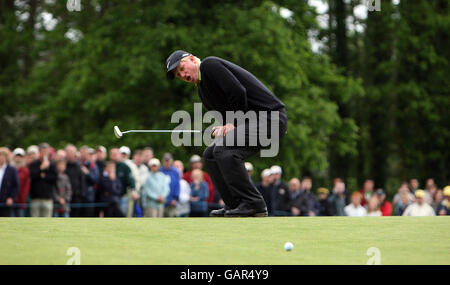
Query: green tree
104, 66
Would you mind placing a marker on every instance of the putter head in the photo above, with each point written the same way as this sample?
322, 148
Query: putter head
117, 132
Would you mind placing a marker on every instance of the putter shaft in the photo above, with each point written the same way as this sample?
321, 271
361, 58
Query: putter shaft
161, 131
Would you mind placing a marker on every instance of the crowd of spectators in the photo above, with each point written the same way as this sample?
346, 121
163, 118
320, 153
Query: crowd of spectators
88, 182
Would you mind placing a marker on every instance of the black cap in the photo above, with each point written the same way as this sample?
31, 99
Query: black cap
167, 156
173, 60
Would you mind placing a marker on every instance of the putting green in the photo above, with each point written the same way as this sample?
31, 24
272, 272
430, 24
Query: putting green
319, 240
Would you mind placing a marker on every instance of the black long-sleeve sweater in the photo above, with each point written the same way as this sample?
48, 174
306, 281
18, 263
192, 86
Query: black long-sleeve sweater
225, 86
42, 187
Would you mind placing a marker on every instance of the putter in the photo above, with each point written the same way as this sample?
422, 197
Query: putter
118, 133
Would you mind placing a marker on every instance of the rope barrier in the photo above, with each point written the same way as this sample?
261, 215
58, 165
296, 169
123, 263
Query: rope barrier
57, 206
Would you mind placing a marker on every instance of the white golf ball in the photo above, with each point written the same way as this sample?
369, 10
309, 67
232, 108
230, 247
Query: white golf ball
288, 246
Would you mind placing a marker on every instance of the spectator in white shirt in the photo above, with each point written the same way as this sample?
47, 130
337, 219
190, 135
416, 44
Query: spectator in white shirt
419, 207
132, 194
141, 167
183, 203
354, 209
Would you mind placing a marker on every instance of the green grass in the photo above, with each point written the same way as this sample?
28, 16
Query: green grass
320, 240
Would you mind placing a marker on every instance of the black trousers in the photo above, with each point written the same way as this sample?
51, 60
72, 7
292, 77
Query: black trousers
225, 164
113, 210
5, 211
76, 211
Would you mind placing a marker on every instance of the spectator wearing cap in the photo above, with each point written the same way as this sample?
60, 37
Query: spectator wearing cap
367, 191
132, 193
313, 204
299, 201
77, 180
282, 197
355, 209
63, 191
123, 173
249, 167
110, 191
24, 182
324, 203
267, 190
32, 154
9, 183
173, 179
385, 206
92, 176
183, 204
199, 195
195, 162
419, 207
338, 199
155, 190
43, 182
443, 208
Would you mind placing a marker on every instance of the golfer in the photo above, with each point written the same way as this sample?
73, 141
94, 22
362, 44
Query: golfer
224, 86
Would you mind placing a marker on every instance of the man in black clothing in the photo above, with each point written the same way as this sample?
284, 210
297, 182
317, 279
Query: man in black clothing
224, 86
43, 176
282, 199
77, 180
299, 201
110, 190
325, 208
101, 158
267, 190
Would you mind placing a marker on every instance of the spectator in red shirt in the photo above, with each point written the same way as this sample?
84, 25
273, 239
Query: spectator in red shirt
24, 182
196, 163
385, 206
367, 191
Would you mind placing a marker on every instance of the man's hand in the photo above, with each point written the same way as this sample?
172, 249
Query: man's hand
134, 195
312, 214
62, 201
222, 130
173, 203
112, 176
9, 202
195, 198
84, 169
161, 199
295, 211
45, 164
